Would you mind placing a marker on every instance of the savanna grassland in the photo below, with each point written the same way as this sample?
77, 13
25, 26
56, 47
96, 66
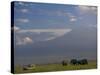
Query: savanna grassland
56, 67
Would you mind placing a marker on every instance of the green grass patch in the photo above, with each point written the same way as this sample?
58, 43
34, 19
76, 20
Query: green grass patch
56, 67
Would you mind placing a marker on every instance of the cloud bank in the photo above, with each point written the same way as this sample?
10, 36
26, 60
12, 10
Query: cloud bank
39, 35
87, 9
23, 41
22, 20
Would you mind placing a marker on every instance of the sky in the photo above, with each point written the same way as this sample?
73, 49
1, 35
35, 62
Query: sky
54, 32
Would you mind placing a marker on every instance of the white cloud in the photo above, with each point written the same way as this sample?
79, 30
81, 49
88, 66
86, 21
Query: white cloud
93, 26
24, 10
20, 3
72, 19
50, 38
87, 9
23, 20
61, 13
57, 33
27, 40
39, 35
15, 28
23, 41
94, 8
45, 30
23, 4
53, 12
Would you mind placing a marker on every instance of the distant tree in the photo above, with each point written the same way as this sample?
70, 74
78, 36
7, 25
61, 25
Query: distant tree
74, 62
79, 62
24, 68
64, 63
84, 62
